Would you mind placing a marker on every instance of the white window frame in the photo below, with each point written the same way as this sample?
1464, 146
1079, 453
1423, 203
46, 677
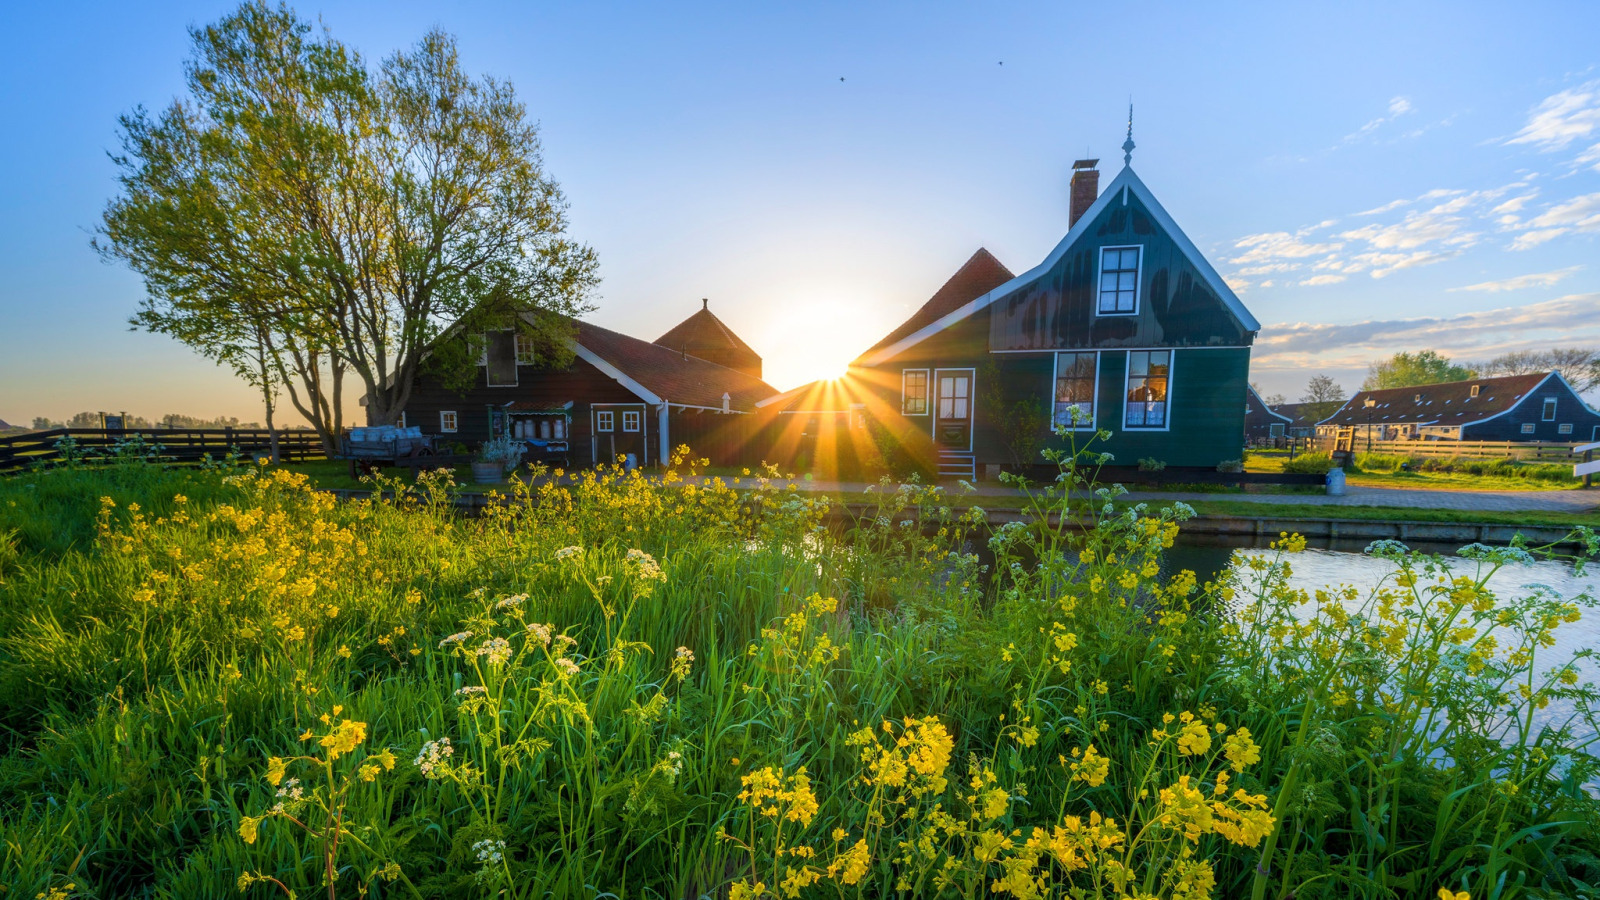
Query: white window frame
633, 415
1094, 397
1100, 273
402, 420
604, 421
1564, 428
1127, 380
1474, 391
449, 421
905, 398
524, 356
1527, 428
1548, 413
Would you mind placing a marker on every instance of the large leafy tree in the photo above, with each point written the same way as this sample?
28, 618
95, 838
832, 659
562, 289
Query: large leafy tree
338, 220
1411, 369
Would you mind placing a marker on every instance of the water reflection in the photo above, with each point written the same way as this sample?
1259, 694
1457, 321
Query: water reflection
1344, 564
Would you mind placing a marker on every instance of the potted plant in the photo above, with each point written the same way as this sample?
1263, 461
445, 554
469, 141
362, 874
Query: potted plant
496, 458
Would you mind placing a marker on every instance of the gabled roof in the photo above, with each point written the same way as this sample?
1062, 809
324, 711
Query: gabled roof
1296, 412
1448, 403
704, 332
1126, 180
659, 375
1258, 405
977, 276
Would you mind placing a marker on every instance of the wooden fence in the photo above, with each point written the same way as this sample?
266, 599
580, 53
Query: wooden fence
1529, 451
177, 445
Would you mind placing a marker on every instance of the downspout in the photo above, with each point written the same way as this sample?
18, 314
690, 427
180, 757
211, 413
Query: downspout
666, 438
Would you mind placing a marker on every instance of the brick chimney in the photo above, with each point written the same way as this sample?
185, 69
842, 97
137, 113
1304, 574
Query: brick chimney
1085, 188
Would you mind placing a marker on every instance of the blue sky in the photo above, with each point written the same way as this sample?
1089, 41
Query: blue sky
1372, 177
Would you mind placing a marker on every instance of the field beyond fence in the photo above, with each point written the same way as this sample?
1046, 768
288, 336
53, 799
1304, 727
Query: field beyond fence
1523, 451
160, 444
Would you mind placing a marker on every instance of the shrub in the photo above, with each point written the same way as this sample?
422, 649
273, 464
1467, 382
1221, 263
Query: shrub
1309, 464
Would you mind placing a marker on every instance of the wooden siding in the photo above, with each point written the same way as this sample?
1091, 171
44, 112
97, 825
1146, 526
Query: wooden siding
1570, 410
580, 383
1176, 307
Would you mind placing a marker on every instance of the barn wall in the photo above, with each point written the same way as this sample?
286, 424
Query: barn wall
1569, 410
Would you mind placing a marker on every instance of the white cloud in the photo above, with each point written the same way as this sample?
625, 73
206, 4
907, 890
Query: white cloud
1316, 280
1530, 239
1581, 213
1269, 246
1398, 106
1575, 317
1565, 117
1520, 282
1416, 230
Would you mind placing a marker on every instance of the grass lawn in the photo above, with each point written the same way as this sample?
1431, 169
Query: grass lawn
1386, 475
1391, 514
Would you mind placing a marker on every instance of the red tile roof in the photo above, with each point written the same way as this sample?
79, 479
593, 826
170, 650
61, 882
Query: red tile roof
1450, 403
706, 336
976, 277
671, 374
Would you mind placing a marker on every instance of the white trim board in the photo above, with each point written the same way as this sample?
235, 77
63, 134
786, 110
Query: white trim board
1126, 180
1269, 410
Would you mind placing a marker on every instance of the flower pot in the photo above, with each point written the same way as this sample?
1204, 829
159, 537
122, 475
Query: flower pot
488, 472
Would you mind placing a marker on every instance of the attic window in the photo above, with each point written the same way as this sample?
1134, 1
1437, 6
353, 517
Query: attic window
1549, 410
1418, 400
525, 352
1474, 391
1119, 281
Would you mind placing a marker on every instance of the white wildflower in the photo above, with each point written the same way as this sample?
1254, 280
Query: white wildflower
540, 632
433, 756
471, 690
457, 638
567, 666
490, 852
569, 552
512, 602
498, 650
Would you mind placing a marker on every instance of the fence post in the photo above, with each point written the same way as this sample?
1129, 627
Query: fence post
1588, 478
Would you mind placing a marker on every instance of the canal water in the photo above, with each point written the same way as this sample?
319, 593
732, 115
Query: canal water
1336, 564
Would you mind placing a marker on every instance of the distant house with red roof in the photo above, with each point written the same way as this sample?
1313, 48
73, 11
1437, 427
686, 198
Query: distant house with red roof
1536, 407
619, 396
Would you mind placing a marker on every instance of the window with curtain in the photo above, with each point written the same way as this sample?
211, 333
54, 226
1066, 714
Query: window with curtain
1149, 385
1074, 406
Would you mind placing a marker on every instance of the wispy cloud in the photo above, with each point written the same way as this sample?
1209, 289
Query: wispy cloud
1398, 106
1575, 317
1520, 282
1570, 116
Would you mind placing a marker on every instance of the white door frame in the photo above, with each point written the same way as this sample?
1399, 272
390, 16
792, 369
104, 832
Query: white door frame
971, 398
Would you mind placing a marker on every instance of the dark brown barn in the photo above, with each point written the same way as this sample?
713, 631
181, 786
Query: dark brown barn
619, 397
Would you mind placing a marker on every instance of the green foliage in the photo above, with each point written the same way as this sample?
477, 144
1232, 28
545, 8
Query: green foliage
228, 682
1501, 468
1406, 369
1308, 464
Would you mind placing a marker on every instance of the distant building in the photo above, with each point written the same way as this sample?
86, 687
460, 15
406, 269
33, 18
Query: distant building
1537, 407
1262, 423
619, 396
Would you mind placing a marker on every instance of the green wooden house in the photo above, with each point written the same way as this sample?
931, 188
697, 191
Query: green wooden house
1124, 327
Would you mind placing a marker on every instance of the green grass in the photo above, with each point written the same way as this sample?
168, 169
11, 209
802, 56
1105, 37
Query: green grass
1245, 508
220, 684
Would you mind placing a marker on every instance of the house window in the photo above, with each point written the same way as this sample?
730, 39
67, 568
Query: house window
602, 420
1474, 391
953, 397
1549, 409
525, 351
1075, 381
1149, 381
630, 420
1527, 428
914, 392
1275, 430
1565, 428
447, 421
1119, 281
402, 420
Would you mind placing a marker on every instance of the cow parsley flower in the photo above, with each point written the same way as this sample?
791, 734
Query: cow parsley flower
433, 757
569, 552
457, 638
498, 650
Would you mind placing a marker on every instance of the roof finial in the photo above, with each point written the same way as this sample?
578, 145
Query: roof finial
1127, 145
705, 303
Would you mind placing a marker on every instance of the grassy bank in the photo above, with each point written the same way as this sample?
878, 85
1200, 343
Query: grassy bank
225, 683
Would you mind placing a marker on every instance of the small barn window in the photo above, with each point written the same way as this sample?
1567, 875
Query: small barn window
1119, 281
630, 420
1149, 386
447, 421
1564, 428
603, 420
1527, 428
525, 351
1075, 382
1549, 409
1275, 430
914, 392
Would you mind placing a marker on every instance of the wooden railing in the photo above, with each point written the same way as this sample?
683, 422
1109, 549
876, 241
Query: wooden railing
1530, 451
179, 445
